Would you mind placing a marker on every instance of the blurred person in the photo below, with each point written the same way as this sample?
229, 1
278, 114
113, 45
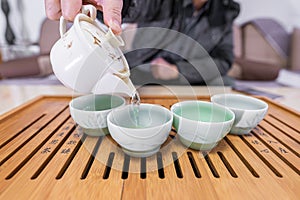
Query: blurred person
207, 22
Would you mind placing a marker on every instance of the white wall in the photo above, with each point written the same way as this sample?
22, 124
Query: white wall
287, 12
34, 13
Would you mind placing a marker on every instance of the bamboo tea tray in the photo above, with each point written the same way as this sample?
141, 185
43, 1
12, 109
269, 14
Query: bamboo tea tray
44, 155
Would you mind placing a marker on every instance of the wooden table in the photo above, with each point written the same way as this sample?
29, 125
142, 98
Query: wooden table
44, 155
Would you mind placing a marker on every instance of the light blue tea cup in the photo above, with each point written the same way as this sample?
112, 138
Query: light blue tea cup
140, 131
90, 112
201, 125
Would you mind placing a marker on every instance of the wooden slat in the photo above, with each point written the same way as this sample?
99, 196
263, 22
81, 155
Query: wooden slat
34, 130
282, 127
285, 115
42, 148
26, 118
266, 175
46, 157
12, 158
273, 135
275, 150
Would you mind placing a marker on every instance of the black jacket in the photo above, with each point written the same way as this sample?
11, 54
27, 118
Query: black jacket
211, 27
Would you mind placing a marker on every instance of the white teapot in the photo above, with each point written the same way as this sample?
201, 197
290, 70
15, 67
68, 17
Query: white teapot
87, 58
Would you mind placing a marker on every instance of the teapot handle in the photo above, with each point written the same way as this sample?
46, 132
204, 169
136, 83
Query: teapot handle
85, 9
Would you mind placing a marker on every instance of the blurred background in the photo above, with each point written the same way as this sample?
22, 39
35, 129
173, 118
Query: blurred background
32, 14
266, 37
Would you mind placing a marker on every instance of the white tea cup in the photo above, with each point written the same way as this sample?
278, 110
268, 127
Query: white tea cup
249, 111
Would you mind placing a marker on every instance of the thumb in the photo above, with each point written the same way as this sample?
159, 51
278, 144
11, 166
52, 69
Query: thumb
112, 14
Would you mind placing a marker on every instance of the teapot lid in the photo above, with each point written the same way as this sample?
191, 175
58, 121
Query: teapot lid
99, 38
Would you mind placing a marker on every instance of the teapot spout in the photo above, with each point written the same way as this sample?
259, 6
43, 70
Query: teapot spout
110, 83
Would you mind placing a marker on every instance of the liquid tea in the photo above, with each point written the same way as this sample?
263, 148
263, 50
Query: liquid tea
135, 102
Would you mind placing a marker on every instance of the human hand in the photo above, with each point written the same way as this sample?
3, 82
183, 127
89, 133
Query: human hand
163, 70
70, 8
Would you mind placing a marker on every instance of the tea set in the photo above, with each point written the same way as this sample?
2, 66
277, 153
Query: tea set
93, 63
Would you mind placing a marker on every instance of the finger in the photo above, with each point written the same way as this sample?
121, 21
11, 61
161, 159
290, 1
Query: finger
70, 8
53, 9
112, 14
96, 3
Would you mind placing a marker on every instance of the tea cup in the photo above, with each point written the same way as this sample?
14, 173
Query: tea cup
249, 111
201, 125
140, 130
90, 112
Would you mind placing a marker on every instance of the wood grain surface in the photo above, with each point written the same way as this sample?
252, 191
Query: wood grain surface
45, 155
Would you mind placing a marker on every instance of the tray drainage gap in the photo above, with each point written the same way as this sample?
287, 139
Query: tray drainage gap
193, 164
109, 164
91, 159
46, 162
143, 174
211, 165
35, 134
24, 162
177, 165
227, 165
70, 159
21, 131
242, 158
279, 140
271, 167
273, 116
125, 167
160, 165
